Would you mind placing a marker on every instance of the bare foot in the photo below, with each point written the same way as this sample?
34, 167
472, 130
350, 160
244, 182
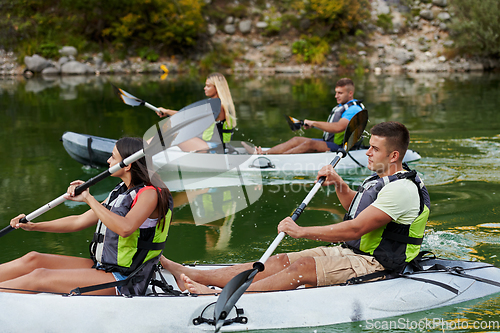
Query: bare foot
248, 148
197, 288
259, 151
176, 269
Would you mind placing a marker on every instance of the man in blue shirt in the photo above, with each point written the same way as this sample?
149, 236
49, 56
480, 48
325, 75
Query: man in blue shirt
333, 129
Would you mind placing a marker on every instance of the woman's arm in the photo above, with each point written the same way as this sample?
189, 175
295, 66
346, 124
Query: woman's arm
165, 112
63, 225
126, 225
122, 225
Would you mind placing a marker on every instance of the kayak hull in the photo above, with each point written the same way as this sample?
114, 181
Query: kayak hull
94, 151
305, 307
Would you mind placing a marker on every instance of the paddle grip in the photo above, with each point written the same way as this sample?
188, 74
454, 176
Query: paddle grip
6, 230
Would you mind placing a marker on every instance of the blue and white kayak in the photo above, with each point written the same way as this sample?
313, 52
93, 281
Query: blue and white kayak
94, 151
458, 282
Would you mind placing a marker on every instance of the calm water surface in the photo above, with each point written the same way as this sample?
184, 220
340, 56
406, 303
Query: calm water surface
453, 120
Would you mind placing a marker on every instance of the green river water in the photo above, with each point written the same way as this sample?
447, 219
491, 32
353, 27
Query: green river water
453, 120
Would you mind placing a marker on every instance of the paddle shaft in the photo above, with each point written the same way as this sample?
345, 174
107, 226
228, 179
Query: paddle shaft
92, 181
298, 211
149, 106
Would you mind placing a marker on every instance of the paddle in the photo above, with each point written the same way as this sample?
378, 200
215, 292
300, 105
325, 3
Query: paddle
294, 123
169, 132
132, 100
237, 286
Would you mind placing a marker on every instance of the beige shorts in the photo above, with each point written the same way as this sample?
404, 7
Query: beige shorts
335, 264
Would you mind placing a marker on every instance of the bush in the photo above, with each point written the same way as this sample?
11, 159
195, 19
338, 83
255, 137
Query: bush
49, 50
476, 27
311, 49
384, 21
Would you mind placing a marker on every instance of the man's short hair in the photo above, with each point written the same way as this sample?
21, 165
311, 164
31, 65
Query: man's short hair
344, 82
397, 135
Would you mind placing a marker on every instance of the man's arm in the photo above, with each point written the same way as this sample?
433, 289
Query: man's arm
344, 193
336, 127
368, 220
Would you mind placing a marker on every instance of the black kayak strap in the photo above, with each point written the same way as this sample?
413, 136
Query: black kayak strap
460, 272
130, 280
437, 283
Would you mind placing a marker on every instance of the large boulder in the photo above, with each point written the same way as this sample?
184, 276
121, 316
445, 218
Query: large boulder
440, 3
75, 67
68, 51
230, 29
245, 26
427, 14
36, 63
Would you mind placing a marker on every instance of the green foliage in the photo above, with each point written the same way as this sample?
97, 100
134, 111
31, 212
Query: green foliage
310, 50
333, 19
27, 26
49, 50
476, 27
148, 54
385, 22
219, 57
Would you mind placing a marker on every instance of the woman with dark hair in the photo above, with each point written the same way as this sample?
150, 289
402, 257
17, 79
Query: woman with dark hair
132, 227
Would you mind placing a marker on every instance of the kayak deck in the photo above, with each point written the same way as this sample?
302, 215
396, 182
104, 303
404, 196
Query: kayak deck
304, 307
94, 151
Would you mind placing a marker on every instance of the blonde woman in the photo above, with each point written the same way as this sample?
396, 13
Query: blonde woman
215, 87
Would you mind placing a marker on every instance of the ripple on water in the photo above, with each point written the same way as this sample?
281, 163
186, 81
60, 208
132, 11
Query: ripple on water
471, 159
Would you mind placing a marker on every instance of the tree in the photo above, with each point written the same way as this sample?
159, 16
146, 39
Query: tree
475, 27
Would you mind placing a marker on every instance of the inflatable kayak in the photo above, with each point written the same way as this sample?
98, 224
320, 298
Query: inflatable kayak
94, 151
451, 282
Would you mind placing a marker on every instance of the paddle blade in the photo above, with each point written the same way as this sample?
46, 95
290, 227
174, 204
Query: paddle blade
355, 129
295, 124
230, 295
127, 98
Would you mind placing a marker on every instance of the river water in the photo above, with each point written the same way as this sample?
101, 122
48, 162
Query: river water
453, 121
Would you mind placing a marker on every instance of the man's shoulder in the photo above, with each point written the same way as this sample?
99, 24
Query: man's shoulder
400, 187
351, 110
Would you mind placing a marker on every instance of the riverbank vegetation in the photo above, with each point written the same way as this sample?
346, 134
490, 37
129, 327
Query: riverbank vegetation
315, 31
150, 28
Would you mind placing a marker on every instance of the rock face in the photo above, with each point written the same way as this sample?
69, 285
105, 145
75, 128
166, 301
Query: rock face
411, 44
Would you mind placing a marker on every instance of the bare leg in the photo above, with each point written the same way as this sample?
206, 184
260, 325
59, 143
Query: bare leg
193, 144
60, 281
309, 146
301, 272
298, 145
52, 273
248, 148
33, 260
220, 277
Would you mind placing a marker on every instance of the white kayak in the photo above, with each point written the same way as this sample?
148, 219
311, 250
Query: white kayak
304, 307
94, 151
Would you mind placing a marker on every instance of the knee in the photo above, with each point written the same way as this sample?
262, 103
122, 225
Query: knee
297, 140
32, 258
305, 270
281, 260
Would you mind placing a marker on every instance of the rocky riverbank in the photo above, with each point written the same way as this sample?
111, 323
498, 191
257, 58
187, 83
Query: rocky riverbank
408, 44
